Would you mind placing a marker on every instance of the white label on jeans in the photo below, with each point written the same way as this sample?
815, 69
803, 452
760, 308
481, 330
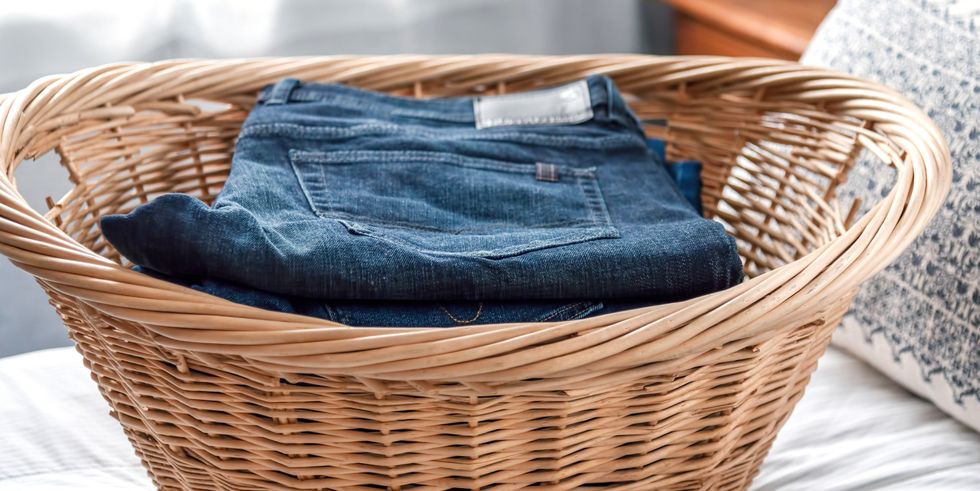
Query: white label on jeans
568, 104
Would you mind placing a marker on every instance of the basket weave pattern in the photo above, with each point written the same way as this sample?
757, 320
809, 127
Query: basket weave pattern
215, 395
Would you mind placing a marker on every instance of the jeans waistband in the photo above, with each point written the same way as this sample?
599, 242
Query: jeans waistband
607, 103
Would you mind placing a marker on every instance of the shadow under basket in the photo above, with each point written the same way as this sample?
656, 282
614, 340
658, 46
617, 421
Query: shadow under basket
689, 395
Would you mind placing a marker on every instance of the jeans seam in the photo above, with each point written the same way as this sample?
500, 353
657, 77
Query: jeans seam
595, 201
303, 184
434, 116
345, 101
349, 157
556, 313
342, 215
597, 233
295, 130
580, 306
461, 322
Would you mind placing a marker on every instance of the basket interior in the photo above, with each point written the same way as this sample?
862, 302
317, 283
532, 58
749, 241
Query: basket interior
771, 165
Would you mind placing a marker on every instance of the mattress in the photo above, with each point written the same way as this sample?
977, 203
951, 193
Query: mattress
853, 430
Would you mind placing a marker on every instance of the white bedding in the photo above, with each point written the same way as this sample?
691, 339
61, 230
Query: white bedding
854, 430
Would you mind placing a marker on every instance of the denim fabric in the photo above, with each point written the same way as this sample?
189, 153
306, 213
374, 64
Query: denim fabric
368, 313
442, 314
685, 173
353, 196
658, 147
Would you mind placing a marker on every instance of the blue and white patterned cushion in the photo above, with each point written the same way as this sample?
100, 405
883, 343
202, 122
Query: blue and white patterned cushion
919, 319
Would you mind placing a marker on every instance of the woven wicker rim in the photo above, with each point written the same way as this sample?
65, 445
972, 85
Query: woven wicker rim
185, 319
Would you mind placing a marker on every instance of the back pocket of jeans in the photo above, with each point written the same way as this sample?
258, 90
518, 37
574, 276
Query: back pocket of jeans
448, 204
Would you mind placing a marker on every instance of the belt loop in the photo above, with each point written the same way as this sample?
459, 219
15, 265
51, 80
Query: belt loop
610, 95
281, 91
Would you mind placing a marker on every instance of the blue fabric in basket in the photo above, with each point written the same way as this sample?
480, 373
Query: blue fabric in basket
340, 200
685, 173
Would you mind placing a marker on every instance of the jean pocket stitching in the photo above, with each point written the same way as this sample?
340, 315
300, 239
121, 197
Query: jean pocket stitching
355, 157
344, 216
497, 253
463, 322
304, 183
595, 224
580, 308
595, 200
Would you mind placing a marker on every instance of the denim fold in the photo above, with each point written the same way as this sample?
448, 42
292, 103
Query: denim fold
372, 209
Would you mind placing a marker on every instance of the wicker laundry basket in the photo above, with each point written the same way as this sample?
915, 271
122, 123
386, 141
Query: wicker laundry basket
689, 395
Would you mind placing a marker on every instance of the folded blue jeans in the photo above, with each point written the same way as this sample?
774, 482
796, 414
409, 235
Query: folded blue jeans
360, 197
400, 313
686, 175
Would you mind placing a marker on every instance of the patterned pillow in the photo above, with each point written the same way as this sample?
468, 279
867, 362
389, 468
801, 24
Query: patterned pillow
918, 321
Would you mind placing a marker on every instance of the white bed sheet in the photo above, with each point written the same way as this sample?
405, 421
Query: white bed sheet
854, 430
